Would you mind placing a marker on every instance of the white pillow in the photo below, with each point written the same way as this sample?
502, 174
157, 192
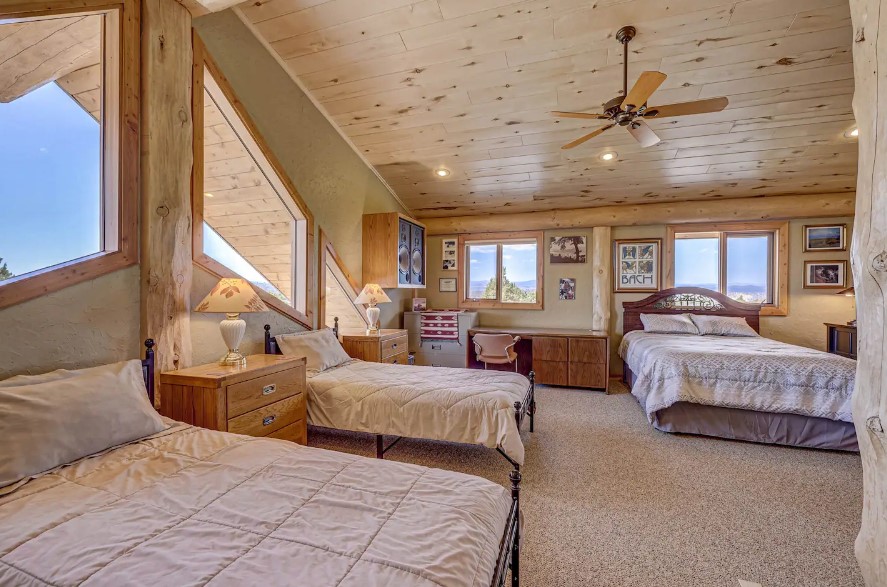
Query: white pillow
321, 348
56, 375
722, 325
668, 324
45, 425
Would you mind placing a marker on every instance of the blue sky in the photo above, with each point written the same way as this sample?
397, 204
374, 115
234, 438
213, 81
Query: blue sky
50, 188
696, 261
519, 261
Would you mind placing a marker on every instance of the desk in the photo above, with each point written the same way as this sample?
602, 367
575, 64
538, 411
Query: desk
574, 357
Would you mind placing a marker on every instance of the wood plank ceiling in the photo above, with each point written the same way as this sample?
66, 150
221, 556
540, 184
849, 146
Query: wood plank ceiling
468, 85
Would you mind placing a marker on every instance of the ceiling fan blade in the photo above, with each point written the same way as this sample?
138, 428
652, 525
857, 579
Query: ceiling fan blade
590, 135
642, 133
684, 108
579, 115
647, 83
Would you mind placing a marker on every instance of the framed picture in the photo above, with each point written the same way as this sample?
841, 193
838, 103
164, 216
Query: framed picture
825, 237
637, 265
567, 249
825, 274
448, 254
567, 289
447, 284
419, 305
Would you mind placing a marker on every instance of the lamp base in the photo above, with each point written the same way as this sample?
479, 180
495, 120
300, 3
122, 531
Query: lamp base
233, 329
373, 319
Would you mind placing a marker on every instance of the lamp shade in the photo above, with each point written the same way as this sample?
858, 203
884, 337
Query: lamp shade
232, 296
847, 292
372, 294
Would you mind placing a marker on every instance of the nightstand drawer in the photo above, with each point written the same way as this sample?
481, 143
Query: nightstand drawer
270, 418
253, 394
297, 433
393, 347
401, 358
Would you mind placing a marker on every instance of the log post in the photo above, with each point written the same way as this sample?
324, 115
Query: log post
167, 157
869, 259
601, 286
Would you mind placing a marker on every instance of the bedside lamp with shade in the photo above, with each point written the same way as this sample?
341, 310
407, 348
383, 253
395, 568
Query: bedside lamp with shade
372, 294
232, 296
850, 293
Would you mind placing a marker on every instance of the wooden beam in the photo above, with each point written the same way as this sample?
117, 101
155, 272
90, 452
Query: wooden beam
602, 282
166, 181
737, 209
869, 258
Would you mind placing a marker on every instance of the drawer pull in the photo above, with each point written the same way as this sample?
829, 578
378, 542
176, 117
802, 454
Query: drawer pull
268, 420
269, 389
394, 345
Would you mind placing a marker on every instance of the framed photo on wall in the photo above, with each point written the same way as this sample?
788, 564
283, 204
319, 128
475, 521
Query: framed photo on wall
567, 288
825, 237
447, 284
637, 265
448, 254
825, 274
567, 249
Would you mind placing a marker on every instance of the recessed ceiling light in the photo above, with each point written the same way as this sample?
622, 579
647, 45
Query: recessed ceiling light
441, 172
853, 133
609, 156
208, 195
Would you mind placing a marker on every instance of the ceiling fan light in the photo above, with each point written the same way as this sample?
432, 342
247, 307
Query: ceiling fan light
442, 172
609, 156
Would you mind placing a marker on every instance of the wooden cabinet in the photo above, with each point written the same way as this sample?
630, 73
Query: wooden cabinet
265, 398
550, 359
386, 346
393, 250
575, 358
841, 339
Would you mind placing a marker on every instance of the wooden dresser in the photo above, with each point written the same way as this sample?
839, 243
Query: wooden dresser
387, 346
561, 356
265, 398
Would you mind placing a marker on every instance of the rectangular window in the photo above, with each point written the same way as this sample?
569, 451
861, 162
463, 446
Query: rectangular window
61, 150
251, 223
746, 262
501, 271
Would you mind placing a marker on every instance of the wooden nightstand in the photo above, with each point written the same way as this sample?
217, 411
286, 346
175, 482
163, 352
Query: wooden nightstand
265, 398
841, 339
387, 346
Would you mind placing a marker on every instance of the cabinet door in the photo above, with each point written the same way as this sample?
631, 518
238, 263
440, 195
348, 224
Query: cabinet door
417, 255
550, 360
403, 252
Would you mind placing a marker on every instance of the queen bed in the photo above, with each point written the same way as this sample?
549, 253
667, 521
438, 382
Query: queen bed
185, 505
435, 403
739, 386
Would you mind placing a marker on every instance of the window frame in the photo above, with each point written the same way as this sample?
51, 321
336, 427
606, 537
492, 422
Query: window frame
305, 260
778, 271
119, 147
500, 238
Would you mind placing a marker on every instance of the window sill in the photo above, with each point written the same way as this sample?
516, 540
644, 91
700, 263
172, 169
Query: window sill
780, 310
38, 283
219, 270
491, 305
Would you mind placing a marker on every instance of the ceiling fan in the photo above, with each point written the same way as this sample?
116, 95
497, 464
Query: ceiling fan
630, 109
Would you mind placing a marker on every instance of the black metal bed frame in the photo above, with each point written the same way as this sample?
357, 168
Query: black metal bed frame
509, 545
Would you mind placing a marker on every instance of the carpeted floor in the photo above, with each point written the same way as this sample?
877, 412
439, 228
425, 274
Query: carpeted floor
610, 502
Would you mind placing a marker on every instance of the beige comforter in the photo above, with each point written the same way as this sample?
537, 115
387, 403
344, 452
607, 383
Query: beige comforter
438, 403
194, 507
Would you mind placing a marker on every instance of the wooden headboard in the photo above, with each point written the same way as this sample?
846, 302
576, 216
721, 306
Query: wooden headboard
688, 300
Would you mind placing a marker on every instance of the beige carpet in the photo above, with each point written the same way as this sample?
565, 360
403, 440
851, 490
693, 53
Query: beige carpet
610, 502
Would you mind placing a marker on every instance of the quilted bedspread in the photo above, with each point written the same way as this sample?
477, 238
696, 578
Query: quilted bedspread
438, 403
751, 373
195, 507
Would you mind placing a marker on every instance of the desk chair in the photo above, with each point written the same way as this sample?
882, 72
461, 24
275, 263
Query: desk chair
497, 349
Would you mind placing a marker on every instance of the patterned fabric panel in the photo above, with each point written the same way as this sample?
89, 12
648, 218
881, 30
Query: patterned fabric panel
668, 323
439, 326
750, 373
197, 507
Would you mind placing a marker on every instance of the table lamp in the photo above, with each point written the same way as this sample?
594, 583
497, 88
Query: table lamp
232, 296
372, 294
849, 292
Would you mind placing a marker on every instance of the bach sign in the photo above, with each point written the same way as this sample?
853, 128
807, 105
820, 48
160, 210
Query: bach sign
637, 265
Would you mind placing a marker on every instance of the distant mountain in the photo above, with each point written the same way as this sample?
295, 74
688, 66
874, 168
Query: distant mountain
476, 288
737, 287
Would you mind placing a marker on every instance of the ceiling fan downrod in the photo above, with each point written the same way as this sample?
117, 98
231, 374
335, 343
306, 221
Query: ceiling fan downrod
624, 36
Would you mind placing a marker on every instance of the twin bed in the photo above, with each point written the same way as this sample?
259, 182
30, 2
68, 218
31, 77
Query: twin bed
741, 387
185, 505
